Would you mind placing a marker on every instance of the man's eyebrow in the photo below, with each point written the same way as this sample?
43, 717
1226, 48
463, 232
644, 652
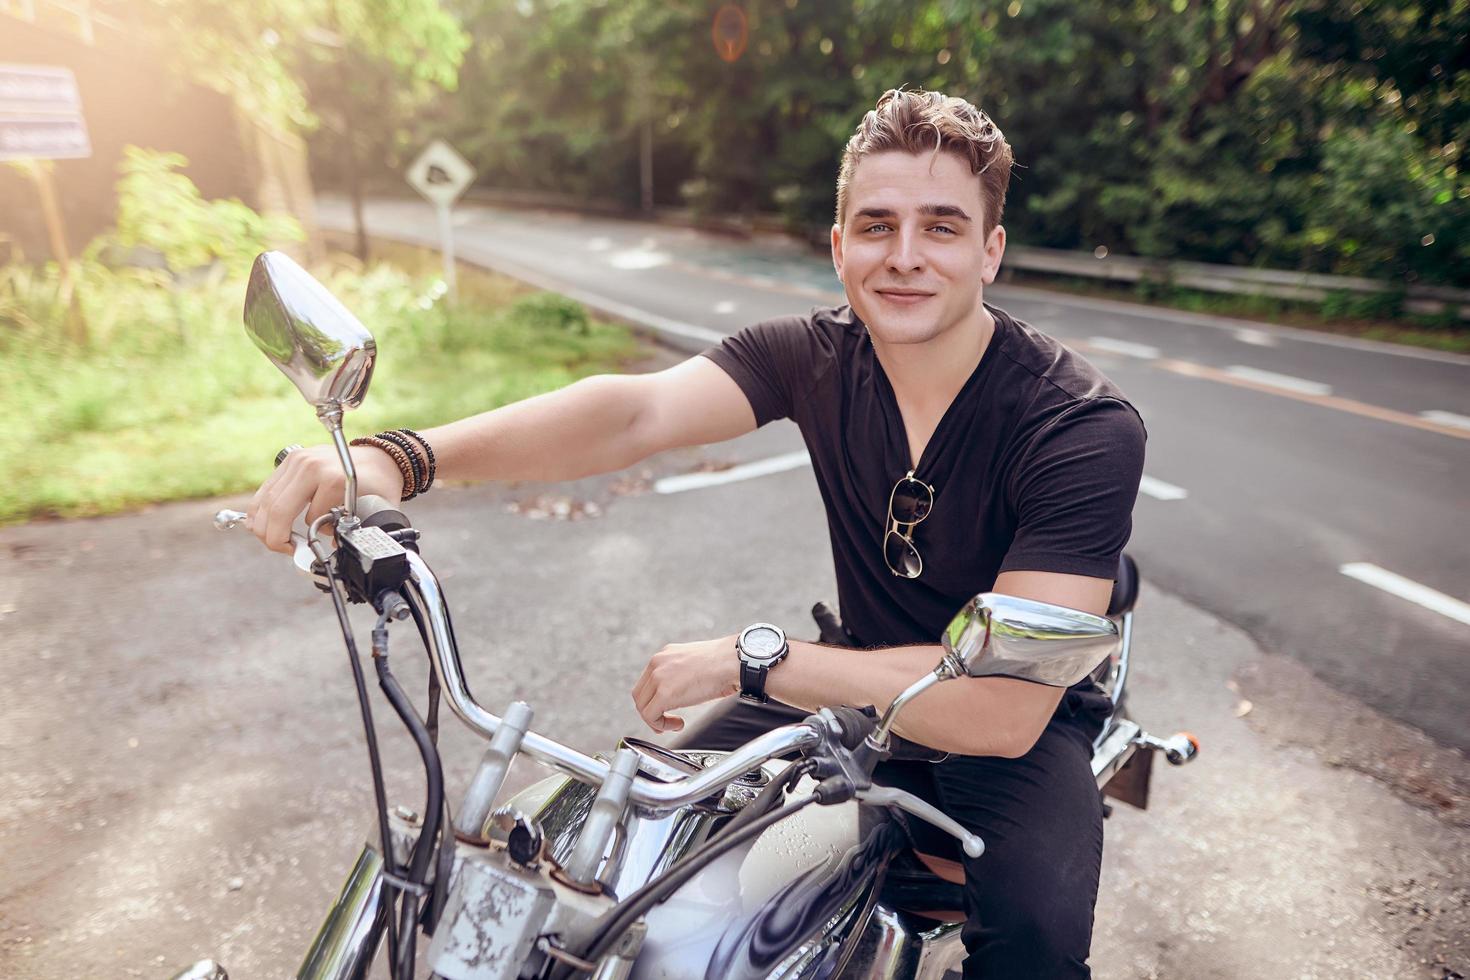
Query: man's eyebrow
944, 211
930, 210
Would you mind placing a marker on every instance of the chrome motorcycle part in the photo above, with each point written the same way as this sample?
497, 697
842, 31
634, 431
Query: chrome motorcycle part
424, 595
307, 333
1116, 683
899, 946
604, 816
889, 796
1178, 748
203, 970
347, 941
315, 342
494, 764
879, 739
997, 635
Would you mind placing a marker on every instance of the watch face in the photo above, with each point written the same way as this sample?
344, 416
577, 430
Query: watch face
761, 643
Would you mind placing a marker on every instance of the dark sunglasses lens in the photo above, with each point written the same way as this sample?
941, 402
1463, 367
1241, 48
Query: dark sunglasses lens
911, 501
903, 559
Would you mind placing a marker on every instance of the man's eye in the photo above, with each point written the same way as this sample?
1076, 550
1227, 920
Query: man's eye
944, 228
872, 228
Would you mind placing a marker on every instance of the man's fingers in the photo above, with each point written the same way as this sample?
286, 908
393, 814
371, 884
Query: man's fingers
281, 512
671, 723
327, 497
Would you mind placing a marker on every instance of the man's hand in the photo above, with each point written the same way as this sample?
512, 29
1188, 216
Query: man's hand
313, 479
684, 674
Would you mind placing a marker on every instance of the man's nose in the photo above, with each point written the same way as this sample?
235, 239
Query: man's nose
904, 256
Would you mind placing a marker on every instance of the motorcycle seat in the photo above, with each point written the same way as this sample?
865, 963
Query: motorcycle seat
1125, 587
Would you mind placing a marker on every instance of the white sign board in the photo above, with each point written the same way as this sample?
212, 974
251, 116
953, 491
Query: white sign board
41, 114
440, 173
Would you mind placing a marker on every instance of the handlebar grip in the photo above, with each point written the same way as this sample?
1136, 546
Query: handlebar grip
857, 724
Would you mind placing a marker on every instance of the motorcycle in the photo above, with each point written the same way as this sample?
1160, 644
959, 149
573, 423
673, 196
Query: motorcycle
779, 859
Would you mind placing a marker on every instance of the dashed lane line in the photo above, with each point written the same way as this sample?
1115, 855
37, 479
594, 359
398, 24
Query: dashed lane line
1127, 348
1192, 370
1159, 490
746, 471
1394, 584
1274, 380
1447, 418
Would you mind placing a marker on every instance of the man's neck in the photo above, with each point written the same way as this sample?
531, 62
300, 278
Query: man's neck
926, 377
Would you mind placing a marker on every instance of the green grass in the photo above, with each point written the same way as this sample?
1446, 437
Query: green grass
172, 401
1335, 316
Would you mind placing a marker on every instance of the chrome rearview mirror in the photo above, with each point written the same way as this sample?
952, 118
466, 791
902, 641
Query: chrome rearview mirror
317, 343
308, 333
997, 635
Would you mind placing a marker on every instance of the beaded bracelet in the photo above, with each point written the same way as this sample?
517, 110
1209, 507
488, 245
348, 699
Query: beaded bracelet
399, 457
428, 453
416, 463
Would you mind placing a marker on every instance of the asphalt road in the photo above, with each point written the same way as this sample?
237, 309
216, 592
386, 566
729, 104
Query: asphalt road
1341, 453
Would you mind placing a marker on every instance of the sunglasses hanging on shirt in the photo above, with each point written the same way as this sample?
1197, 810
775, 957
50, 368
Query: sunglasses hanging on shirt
909, 503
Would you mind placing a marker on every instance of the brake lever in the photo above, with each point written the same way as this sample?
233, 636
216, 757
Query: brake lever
889, 796
301, 556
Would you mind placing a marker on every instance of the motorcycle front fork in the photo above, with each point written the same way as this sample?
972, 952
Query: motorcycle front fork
348, 940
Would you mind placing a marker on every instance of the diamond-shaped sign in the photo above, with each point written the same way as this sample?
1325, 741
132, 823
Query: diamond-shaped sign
440, 173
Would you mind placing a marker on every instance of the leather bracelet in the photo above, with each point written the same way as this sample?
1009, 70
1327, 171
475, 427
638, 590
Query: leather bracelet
428, 454
415, 462
397, 455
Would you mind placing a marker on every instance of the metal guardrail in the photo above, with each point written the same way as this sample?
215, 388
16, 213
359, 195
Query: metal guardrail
1301, 286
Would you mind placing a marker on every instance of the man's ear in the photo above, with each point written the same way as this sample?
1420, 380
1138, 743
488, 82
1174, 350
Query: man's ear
837, 250
995, 250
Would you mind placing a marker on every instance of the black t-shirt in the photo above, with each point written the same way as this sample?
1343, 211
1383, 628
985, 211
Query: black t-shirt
1035, 465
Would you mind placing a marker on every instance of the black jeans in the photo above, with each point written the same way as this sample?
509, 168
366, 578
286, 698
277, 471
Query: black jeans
1029, 897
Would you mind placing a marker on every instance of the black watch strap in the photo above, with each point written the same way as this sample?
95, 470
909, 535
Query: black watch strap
753, 682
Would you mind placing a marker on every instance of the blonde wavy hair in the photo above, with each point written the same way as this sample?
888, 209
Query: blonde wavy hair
917, 122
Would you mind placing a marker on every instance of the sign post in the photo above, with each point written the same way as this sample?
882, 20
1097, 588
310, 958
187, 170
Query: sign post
441, 175
40, 121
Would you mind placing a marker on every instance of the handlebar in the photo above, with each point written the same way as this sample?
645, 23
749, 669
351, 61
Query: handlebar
427, 601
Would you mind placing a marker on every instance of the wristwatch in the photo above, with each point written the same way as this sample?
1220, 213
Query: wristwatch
760, 647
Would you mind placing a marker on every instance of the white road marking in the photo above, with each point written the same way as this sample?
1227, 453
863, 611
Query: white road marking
1423, 595
638, 259
1178, 317
1125, 347
724, 306
1446, 418
1159, 490
1256, 338
746, 471
1279, 380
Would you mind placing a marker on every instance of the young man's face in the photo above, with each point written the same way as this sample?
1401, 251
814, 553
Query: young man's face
911, 251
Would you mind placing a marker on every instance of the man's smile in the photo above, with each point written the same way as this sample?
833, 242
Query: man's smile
904, 297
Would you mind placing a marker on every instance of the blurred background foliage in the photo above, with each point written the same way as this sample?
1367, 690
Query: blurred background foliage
1317, 135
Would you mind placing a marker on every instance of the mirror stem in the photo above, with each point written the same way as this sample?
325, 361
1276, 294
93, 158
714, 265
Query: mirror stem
879, 738
331, 416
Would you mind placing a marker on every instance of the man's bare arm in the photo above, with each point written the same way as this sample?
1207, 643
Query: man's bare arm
596, 425
998, 716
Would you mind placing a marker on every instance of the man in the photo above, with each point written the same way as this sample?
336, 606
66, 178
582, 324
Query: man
957, 451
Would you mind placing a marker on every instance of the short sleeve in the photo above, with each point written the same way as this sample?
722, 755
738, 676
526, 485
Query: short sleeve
775, 362
1074, 491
